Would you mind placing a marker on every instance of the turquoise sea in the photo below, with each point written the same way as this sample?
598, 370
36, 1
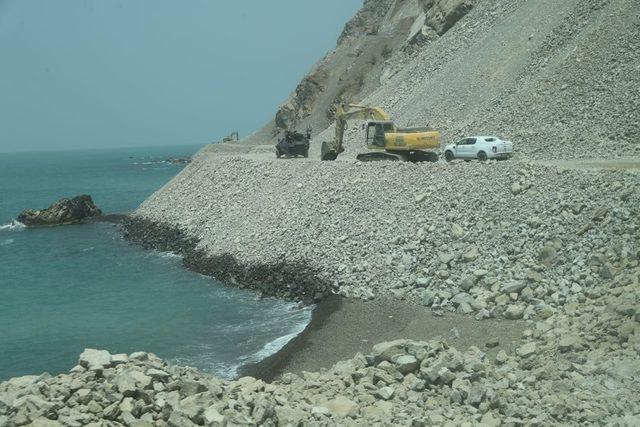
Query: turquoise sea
63, 289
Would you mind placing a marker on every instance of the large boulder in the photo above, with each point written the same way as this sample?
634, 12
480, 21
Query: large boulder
342, 407
441, 15
94, 359
64, 211
438, 17
387, 350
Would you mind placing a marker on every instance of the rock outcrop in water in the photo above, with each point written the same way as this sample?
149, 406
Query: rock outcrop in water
64, 211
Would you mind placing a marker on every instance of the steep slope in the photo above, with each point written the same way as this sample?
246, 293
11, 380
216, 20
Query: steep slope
354, 69
559, 78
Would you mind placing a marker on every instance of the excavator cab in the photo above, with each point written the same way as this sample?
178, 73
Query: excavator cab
376, 133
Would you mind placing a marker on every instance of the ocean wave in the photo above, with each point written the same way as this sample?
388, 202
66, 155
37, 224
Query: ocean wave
230, 369
12, 226
158, 256
277, 344
170, 255
6, 242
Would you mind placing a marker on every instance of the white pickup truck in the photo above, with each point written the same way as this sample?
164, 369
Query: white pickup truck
479, 147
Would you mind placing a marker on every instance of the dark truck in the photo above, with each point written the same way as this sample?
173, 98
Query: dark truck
294, 144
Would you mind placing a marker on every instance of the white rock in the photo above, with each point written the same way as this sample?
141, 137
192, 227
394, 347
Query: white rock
94, 359
212, 416
527, 349
385, 393
343, 407
320, 410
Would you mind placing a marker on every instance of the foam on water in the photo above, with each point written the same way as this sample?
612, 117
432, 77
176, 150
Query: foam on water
12, 226
170, 255
276, 345
6, 242
207, 360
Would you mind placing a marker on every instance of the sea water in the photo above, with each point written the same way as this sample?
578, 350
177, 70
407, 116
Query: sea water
63, 289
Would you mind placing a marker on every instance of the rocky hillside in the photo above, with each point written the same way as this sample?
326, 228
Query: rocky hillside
361, 58
558, 78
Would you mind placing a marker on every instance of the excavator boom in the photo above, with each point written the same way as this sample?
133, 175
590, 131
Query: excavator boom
330, 151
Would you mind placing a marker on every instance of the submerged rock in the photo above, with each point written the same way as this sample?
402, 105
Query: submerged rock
64, 211
178, 160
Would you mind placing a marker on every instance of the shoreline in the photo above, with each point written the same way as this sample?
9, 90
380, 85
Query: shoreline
344, 325
296, 282
274, 365
339, 327
229, 272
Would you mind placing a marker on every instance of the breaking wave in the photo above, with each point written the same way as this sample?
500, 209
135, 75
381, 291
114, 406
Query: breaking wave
12, 226
170, 255
269, 349
206, 360
274, 346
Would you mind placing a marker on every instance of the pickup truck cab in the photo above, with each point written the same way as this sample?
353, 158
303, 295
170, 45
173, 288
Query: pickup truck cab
479, 147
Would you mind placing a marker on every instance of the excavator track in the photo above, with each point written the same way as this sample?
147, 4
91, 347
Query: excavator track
422, 156
377, 156
409, 156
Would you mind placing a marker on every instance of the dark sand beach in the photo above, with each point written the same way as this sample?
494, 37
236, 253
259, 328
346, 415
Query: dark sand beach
342, 327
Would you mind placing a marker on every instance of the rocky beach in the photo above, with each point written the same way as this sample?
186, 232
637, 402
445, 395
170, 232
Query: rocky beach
463, 293
548, 255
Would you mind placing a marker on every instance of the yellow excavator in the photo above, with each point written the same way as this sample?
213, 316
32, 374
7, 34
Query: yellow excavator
383, 138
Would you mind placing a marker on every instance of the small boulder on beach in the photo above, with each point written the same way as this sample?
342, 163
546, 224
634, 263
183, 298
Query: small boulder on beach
64, 211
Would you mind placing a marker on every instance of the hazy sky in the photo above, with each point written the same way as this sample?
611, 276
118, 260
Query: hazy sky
113, 73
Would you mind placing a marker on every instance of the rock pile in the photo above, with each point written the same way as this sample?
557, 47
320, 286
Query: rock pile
555, 78
556, 248
558, 78
573, 368
453, 236
292, 280
64, 211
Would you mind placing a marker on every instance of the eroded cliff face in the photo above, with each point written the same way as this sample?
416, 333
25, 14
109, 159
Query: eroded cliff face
364, 49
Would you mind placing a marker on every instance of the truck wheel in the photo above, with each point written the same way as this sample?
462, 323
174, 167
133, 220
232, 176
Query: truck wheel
448, 156
482, 156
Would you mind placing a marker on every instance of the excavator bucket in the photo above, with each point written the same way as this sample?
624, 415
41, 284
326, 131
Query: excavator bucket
328, 151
